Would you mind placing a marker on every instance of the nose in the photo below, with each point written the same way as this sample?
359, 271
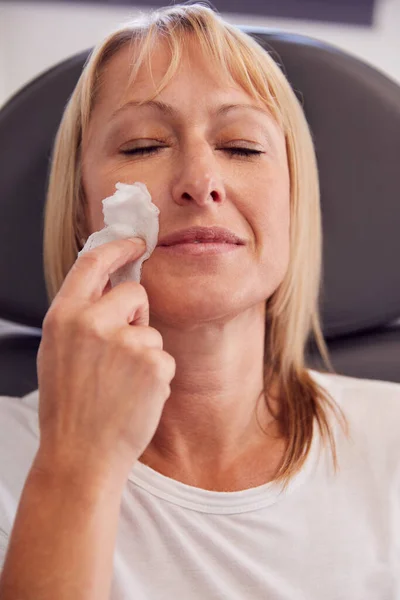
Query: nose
198, 179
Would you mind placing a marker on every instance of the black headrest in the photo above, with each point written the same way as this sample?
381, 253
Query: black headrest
354, 114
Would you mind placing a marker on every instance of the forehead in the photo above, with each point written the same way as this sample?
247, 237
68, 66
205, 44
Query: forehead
194, 73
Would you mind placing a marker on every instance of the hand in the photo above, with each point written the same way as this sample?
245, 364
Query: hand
103, 375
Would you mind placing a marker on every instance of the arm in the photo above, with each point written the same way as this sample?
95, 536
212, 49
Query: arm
103, 381
63, 539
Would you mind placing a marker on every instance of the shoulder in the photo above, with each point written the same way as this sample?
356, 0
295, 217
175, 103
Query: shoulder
369, 400
19, 440
372, 410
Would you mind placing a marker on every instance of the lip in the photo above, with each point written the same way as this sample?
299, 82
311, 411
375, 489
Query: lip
202, 236
200, 248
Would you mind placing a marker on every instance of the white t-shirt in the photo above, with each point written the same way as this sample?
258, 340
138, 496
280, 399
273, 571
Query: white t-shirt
327, 537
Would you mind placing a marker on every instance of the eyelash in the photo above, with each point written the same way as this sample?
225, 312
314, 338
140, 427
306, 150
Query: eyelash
245, 152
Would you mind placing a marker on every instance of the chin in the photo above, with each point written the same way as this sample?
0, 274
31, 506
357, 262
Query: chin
197, 304
192, 307
202, 297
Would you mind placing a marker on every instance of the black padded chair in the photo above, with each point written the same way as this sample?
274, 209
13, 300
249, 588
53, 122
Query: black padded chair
354, 114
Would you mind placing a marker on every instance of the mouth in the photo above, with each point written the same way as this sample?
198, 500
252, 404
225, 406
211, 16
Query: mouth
199, 249
202, 236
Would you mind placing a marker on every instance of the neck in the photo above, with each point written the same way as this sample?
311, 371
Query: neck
216, 413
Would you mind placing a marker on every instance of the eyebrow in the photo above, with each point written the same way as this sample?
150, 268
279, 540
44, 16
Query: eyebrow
170, 111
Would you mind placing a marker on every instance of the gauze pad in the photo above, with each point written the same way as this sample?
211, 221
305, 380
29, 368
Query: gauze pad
129, 212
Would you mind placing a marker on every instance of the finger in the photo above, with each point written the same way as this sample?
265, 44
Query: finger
169, 365
125, 304
91, 271
141, 336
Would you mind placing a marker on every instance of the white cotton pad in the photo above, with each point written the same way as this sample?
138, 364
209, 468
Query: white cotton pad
129, 212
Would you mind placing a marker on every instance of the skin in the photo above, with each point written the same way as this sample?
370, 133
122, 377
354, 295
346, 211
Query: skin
210, 310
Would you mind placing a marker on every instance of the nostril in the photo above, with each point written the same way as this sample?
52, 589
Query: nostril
215, 196
199, 197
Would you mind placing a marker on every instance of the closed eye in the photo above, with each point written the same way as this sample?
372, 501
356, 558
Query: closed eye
242, 151
142, 150
234, 151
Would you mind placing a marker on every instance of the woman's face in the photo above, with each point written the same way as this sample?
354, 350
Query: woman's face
197, 177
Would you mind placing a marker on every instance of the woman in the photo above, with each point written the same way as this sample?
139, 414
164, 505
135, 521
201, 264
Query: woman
185, 450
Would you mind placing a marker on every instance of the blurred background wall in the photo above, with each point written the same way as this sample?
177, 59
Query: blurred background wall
34, 36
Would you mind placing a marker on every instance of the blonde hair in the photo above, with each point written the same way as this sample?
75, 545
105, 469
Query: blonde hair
292, 311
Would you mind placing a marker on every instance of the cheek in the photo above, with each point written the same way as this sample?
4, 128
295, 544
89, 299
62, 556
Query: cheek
93, 185
267, 205
99, 176
98, 184
95, 215
102, 185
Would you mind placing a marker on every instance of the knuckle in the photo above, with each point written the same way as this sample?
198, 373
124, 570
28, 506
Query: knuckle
91, 258
136, 289
135, 285
156, 337
88, 323
166, 391
141, 295
152, 362
126, 340
49, 320
54, 319
171, 365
